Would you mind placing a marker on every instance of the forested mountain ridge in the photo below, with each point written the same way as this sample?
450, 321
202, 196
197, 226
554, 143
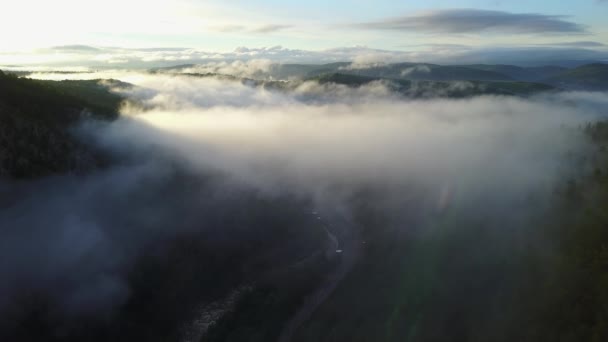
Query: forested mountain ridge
584, 75
36, 118
416, 80
430, 89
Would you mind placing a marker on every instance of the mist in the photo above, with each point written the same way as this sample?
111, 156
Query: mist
186, 150
322, 134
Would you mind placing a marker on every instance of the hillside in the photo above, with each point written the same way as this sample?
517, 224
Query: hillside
411, 71
404, 87
528, 74
36, 118
430, 72
430, 89
588, 77
300, 71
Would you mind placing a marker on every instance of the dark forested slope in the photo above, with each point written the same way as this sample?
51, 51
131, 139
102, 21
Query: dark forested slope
35, 122
586, 77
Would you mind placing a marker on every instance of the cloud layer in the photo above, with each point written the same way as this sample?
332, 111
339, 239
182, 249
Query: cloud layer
78, 56
475, 21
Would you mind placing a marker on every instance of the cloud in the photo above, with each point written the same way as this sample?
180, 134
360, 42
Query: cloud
161, 49
532, 55
474, 21
243, 124
250, 68
228, 28
415, 69
75, 48
565, 53
260, 29
370, 59
270, 28
582, 44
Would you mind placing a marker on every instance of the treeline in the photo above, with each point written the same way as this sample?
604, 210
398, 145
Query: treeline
566, 299
35, 121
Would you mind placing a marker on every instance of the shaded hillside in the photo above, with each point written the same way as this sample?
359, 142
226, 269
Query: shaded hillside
586, 77
36, 118
403, 87
412, 71
300, 71
429, 89
521, 73
590, 76
277, 71
431, 72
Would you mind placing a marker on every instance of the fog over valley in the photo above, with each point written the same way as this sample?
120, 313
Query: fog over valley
401, 172
190, 155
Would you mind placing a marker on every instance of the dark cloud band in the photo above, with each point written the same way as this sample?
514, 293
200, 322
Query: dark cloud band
474, 20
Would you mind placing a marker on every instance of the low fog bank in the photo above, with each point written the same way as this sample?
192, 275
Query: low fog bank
188, 148
352, 135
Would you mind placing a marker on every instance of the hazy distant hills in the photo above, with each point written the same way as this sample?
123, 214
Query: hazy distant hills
590, 76
451, 89
412, 71
521, 73
429, 72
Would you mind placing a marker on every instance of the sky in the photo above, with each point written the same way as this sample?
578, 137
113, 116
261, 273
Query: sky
35, 32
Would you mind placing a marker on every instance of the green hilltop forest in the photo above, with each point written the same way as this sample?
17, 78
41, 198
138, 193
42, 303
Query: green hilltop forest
589, 76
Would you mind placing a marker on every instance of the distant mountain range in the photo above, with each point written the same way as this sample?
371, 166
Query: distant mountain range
590, 76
